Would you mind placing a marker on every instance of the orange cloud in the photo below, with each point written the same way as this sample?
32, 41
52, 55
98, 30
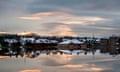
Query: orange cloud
52, 14
7, 33
41, 15
30, 18
83, 20
3, 32
25, 33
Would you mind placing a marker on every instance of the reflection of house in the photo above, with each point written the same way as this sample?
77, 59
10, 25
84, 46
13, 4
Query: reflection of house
114, 45
43, 46
83, 46
104, 45
111, 45
70, 44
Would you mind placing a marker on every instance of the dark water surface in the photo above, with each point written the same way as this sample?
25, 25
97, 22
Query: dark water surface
62, 63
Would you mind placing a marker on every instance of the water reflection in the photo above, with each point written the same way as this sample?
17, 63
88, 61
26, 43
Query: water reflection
35, 70
54, 60
3, 57
85, 68
61, 63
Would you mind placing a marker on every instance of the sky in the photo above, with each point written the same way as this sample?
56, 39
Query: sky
61, 17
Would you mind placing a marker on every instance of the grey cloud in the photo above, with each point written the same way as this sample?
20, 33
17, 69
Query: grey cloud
52, 24
99, 30
13, 6
76, 5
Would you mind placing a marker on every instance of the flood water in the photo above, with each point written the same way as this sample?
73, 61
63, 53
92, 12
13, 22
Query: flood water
62, 63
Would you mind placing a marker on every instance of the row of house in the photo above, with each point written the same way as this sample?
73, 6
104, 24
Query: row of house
43, 43
67, 44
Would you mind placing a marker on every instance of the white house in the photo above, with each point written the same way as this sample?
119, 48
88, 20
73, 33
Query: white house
11, 40
30, 39
70, 44
42, 41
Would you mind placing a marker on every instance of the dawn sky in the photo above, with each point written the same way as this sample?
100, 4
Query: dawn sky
61, 17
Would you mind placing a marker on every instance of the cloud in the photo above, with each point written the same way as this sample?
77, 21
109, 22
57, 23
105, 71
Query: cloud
52, 25
74, 5
57, 29
77, 16
63, 30
42, 15
58, 23
30, 18
14, 7
63, 18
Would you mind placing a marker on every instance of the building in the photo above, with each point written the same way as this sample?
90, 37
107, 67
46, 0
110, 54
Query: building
72, 44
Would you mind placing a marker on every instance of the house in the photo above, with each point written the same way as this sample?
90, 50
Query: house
72, 44
42, 41
24, 40
11, 40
